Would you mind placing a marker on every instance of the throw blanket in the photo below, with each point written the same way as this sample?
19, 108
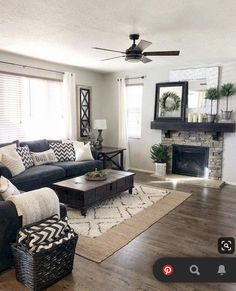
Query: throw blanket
36, 205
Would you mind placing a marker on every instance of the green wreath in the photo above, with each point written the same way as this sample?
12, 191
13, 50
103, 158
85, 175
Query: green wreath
174, 97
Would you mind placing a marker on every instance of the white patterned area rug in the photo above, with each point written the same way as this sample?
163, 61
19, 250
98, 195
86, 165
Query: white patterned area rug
113, 223
112, 212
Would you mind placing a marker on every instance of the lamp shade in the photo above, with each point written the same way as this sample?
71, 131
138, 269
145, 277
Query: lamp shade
100, 124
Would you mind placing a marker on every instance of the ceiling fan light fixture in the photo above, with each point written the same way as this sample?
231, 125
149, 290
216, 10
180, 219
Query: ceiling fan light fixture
133, 59
135, 53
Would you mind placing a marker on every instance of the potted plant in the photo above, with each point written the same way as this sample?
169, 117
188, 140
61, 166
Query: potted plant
212, 94
226, 91
160, 154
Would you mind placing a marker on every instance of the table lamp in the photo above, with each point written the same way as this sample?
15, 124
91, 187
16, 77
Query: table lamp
100, 124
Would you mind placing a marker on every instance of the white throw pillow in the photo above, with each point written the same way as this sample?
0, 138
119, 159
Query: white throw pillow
7, 188
14, 164
45, 157
9, 150
84, 153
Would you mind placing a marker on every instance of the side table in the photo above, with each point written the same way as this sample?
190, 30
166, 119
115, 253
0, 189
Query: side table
109, 153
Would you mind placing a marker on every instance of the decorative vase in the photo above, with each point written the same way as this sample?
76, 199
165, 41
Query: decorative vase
211, 117
226, 115
160, 169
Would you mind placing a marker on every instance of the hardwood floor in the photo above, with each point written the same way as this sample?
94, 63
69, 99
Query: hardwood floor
192, 229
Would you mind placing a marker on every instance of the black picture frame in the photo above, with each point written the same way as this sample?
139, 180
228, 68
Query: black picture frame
84, 101
183, 105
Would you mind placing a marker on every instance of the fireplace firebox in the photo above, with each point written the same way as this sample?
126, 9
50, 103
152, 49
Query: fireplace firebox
190, 160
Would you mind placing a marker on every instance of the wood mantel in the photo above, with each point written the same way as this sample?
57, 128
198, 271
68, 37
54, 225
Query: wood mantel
215, 128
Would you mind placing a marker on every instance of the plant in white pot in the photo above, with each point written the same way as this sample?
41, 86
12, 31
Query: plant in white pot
212, 94
160, 154
227, 90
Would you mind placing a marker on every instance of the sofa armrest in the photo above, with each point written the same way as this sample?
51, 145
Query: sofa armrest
94, 153
9, 225
4, 171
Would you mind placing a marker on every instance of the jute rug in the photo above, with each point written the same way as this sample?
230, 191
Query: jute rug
112, 224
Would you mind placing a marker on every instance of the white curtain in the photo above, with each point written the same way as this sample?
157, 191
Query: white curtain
69, 93
122, 128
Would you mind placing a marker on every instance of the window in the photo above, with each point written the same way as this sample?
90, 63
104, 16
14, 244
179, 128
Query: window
30, 108
134, 95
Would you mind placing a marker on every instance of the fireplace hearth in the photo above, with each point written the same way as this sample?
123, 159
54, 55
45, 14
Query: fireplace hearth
190, 160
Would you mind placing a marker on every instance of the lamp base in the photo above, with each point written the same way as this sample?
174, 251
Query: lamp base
98, 144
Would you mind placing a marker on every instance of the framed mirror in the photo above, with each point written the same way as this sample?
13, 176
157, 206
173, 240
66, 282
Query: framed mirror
199, 80
170, 102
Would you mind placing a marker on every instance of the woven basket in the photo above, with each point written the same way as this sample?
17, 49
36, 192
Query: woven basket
40, 270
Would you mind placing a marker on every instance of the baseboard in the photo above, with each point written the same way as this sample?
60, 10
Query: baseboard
230, 183
141, 170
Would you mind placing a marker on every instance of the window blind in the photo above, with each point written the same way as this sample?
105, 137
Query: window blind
30, 108
11, 96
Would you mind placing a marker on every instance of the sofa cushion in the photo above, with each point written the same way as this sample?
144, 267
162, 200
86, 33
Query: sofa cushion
37, 177
74, 168
43, 158
40, 145
25, 155
63, 151
14, 164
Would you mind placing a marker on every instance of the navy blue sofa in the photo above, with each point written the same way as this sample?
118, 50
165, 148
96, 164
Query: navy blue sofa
45, 175
33, 178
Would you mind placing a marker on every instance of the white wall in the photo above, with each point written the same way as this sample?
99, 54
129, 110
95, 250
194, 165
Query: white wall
139, 148
105, 104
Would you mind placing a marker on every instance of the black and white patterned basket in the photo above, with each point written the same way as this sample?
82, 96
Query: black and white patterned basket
40, 270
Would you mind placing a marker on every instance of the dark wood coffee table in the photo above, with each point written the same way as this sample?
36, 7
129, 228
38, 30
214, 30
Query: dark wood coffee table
82, 194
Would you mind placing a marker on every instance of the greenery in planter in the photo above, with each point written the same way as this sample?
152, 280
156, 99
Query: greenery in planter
173, 97
212, 94
160, 153
226, 91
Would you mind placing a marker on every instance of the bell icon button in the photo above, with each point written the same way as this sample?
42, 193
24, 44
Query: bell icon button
221, 270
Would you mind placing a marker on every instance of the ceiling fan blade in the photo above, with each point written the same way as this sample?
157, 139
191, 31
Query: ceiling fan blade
145, 60
162, 53
143, 44
113, 58
103, 49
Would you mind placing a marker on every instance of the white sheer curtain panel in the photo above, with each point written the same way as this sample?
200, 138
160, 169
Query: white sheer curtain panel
69, 92
122, 126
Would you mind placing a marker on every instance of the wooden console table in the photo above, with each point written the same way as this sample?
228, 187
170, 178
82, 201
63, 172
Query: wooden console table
109, 153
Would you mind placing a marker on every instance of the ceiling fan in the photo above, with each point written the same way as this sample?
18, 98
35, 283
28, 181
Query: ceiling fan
135, 52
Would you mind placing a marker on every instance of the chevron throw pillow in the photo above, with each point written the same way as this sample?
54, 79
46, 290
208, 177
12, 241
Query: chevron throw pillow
45, 235
26, 231
48, 245
48, 234
25, 155
63, 151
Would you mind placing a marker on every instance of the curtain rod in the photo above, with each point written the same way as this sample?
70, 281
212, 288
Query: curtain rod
31, 67
133, 78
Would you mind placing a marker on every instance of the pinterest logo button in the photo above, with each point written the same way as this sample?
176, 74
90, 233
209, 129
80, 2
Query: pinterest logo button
167, 270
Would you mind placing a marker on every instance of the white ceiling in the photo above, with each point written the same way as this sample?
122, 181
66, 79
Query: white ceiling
65, 31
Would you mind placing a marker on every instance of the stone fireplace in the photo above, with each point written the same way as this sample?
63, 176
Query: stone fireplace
190, 160
208, 157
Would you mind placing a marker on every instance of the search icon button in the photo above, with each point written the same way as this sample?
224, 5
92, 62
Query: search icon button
194, 270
